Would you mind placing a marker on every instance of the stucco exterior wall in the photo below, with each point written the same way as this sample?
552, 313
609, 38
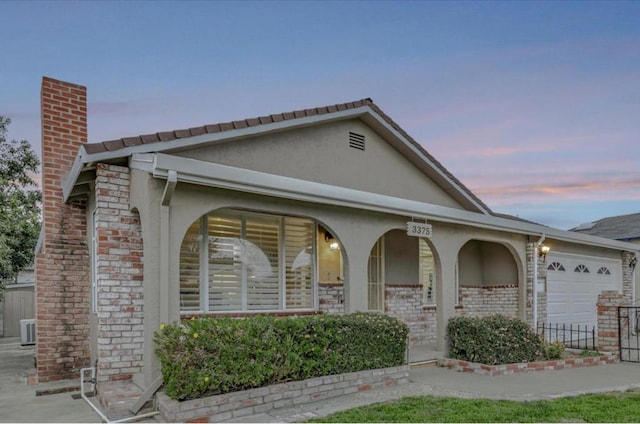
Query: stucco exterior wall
401, 258
322, 154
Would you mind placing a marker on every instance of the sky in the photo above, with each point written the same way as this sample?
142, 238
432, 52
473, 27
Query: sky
534, 106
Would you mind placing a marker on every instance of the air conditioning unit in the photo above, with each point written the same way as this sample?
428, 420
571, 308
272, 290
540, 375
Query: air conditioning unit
27, 331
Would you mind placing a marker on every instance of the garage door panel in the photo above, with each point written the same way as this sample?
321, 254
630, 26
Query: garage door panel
572, 296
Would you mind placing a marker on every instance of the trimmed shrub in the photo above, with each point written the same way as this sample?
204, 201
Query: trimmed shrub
493, 340
554, 350
219, 355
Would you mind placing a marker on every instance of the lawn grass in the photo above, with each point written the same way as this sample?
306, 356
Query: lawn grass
607, 407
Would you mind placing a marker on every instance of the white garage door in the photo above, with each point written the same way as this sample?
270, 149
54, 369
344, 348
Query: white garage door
573, 285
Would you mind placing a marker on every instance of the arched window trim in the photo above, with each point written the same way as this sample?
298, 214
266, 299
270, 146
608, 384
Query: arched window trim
603, 270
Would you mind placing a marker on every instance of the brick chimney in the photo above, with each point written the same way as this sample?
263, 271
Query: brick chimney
62, 267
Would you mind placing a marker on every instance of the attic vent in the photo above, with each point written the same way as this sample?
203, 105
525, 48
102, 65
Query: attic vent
356, 141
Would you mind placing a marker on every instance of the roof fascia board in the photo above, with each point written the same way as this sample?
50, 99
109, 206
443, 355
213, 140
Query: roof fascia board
69, 182
425, 159
228, 177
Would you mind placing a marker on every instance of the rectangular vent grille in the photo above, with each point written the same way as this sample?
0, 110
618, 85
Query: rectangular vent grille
356, 141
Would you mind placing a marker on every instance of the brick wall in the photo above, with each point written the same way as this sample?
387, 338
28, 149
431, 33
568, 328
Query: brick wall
627, 277
331, 298
62, 266
542, 278
404, 301
236, 405
482, 301
119, 277
607, 305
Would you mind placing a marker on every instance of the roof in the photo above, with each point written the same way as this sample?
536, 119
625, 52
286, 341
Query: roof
622, 227
163, 137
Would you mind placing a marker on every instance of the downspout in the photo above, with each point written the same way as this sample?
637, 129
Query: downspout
535, 280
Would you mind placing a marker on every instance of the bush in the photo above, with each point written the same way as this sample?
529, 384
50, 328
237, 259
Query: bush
219, 355
493, 340
555, 350
589, 353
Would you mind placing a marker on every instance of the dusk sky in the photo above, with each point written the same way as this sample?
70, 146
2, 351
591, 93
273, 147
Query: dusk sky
535, 106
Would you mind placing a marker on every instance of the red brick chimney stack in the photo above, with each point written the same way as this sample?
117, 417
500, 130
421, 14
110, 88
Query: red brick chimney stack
62, 266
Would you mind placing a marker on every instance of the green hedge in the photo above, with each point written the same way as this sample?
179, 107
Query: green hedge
493, 340
219, 355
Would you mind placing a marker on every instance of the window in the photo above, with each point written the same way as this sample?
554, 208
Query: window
581, 268
604, 271
556, 266
232, 261
426, 271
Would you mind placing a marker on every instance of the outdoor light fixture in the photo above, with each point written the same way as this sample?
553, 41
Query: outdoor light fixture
333, 244
543, 252
633, 262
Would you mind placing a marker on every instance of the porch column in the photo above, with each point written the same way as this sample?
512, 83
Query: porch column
356, 281
357, 237
446, 297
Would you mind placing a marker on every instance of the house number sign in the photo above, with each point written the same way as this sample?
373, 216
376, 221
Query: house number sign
418, 229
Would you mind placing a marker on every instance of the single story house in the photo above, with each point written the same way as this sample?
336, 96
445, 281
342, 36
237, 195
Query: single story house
325, 210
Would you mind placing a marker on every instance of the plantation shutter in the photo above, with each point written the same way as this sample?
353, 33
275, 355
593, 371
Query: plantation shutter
427, 275
190, 269
299, 263
225, 263
261, 261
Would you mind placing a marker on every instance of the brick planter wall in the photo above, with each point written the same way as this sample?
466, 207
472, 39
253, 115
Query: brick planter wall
249, 402
525, 367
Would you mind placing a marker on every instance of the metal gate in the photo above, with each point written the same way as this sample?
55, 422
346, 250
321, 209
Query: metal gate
629, 333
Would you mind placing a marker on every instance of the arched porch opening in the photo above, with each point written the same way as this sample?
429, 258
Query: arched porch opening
402, 282
487, 279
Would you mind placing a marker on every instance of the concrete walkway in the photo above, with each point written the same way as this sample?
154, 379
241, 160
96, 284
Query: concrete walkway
19, 403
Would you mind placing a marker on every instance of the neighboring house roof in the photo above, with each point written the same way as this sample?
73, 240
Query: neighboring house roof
622, 227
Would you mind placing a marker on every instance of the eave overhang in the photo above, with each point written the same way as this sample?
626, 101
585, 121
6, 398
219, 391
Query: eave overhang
208, 174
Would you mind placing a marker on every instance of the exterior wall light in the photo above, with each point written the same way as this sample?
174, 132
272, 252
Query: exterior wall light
542, 253
334, 245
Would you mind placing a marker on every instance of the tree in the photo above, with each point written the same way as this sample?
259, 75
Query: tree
19, 204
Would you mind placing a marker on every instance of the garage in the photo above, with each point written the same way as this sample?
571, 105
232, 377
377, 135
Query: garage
573, 285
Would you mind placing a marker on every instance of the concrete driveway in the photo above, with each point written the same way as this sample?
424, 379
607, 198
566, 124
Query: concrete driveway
19, 403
